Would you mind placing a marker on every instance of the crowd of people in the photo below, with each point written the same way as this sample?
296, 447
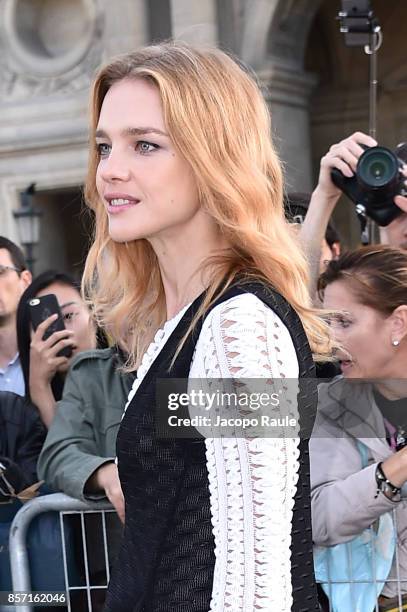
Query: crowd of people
200, 268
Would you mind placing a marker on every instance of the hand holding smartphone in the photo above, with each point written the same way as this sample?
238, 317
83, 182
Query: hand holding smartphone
40, 309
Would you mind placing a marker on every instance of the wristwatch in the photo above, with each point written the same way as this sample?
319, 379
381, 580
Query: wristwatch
385, 486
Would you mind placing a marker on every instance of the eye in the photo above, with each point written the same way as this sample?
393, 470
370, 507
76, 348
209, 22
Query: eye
144, 147
344, 322
339, 321
68, 316
103, 149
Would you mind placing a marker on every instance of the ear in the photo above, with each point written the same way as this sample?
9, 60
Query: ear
336, 249
398, 323
26, 277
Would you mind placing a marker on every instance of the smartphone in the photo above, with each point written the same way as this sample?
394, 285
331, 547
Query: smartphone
40, 309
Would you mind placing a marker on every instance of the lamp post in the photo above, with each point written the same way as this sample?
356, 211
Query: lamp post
28, 222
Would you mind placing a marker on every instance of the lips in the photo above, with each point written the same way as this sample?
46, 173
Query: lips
118, 202
120, 199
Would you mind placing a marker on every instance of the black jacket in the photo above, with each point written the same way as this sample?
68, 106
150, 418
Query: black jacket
22, 433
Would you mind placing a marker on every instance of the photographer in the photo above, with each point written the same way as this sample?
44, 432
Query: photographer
343, 156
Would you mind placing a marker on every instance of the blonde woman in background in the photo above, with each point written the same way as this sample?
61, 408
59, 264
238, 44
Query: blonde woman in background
195, 270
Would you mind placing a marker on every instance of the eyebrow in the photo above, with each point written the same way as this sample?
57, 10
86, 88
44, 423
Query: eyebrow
68, 304
132, 131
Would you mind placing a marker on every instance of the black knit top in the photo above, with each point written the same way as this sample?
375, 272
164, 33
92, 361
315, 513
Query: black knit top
166, 562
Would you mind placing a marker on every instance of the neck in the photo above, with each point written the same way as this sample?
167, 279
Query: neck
392, 389
182, 262
8, 343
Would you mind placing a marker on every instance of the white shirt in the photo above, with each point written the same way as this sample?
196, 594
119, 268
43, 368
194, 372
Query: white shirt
252, 482
11, 377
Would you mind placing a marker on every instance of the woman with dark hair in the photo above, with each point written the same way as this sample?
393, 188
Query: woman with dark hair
359, 446
44, 371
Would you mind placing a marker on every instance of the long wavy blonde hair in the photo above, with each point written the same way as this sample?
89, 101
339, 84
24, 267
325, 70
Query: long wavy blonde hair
218, 120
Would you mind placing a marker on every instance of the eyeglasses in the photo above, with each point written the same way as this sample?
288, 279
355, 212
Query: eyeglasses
3, 269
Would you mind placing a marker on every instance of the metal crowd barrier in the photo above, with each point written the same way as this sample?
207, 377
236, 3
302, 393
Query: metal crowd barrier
399, 580
66, 506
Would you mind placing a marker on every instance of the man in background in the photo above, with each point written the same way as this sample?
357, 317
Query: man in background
14, 278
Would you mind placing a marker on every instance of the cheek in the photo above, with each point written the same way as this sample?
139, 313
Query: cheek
98, 179
356, 341
81, 325
183, 183
370, 349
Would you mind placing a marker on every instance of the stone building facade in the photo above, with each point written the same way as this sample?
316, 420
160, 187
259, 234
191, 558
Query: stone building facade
317, 89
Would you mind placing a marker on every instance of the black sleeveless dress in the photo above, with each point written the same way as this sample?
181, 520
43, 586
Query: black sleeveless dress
166, 562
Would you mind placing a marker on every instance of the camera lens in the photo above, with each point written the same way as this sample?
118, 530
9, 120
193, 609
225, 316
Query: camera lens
377, 168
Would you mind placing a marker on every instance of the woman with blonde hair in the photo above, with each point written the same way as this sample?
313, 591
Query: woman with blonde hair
195, 270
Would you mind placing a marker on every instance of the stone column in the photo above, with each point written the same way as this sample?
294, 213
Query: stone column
287, 90
195, 22
126, 26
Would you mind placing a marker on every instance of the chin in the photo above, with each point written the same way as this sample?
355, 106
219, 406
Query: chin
356, 374
124, 233
118, 235
349, 371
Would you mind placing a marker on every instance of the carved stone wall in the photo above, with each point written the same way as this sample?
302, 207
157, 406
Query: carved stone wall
316, 88
49, 52
49, 46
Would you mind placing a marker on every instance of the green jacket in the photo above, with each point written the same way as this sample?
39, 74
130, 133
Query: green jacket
82, 436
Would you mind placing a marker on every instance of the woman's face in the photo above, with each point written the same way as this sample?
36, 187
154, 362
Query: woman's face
75, 315
146, 186
364, 333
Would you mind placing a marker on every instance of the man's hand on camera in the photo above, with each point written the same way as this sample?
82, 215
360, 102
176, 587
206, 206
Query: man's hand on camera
401, 201
344, 156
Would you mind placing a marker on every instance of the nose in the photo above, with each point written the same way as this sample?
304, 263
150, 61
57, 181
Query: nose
114, 168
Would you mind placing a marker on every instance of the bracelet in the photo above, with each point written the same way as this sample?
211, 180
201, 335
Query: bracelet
384, 485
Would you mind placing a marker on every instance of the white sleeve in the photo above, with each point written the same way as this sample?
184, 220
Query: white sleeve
252, 482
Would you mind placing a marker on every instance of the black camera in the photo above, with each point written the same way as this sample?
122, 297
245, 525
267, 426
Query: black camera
377, 181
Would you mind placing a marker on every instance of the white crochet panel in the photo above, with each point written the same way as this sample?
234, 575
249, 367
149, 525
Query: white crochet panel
153, 351
252, 481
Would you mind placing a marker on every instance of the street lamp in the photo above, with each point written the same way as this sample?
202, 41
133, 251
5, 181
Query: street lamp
28, 222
